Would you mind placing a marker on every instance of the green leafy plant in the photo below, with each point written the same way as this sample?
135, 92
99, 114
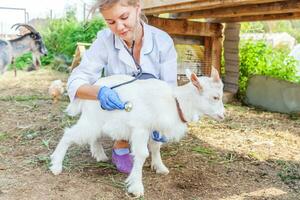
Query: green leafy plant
62, 35
252, 27
258, 58
22, 61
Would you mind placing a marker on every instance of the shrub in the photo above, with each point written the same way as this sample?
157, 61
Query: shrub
22, 61
256, 57
63, 34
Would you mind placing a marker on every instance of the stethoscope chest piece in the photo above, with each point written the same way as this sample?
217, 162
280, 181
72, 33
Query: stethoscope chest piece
128, 106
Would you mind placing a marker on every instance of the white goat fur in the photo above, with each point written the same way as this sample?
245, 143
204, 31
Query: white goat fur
154, 108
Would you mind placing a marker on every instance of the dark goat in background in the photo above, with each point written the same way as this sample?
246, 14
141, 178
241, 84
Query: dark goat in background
30, 42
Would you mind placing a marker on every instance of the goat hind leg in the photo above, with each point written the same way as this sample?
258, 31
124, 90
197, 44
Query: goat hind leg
72, 135
156, 162
97, 151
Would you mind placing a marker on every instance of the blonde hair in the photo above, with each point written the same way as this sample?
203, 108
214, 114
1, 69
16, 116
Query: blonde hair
106, 4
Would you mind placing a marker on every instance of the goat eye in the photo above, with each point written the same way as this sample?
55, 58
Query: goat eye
216, 98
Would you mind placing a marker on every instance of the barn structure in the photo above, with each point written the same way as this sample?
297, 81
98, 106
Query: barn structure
200, 42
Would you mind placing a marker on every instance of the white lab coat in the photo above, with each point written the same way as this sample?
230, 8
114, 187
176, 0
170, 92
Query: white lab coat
158, 57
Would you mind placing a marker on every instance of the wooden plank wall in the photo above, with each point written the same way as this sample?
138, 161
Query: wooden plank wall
231, 55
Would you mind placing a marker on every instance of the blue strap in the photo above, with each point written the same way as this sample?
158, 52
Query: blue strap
158, 137
122, 151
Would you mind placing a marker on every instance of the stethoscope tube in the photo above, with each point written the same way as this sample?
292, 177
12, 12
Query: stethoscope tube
139, 68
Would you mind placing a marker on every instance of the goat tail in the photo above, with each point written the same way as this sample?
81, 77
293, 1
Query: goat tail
74, 108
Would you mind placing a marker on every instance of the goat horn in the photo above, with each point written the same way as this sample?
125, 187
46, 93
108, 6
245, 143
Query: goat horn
30, 28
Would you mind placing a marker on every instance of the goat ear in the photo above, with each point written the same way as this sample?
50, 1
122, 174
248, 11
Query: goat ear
215, 75
195, 81
188, 73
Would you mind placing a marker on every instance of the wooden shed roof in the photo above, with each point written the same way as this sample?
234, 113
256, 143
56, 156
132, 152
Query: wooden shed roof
226, 10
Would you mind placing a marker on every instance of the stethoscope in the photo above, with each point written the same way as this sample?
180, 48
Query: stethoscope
128, 104
137, 65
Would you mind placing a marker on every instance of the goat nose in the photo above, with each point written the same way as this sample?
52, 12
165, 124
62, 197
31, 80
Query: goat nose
222, 116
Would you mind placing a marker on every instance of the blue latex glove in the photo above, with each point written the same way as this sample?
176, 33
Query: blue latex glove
158, 137
109, 99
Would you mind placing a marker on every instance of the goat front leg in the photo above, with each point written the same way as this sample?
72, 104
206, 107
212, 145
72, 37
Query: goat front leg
14, 65
36, 61
78, 134
156, 162
60, 151
139, 140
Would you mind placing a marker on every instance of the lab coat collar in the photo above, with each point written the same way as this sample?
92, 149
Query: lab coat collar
123, 54
147, 40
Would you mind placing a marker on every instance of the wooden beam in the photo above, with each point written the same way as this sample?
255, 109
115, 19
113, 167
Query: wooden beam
155, 7
207, 55
187, 28
156, 3
217, 53
285, 16
231, 56
255, 9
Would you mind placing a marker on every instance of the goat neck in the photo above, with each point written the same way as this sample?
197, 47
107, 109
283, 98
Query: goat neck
21, 45
185, 96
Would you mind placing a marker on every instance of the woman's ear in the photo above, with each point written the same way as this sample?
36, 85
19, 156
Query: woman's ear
139, 7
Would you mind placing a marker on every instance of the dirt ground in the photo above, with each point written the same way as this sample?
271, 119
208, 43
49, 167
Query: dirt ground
251, 155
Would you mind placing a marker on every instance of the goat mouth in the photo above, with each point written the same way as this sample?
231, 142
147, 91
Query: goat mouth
219, 117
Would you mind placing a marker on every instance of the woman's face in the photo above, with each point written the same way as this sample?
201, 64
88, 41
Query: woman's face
122, 19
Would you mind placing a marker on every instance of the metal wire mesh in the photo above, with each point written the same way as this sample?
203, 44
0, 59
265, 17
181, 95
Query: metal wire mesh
193, 53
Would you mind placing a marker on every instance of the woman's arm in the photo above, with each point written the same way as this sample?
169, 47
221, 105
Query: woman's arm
87, 92
88, 71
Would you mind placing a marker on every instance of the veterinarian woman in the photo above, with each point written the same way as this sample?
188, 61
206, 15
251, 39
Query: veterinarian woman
153, 51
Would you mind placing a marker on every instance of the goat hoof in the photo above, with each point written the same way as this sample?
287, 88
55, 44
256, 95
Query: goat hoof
56, 169
137, 189
160, 169
101, 158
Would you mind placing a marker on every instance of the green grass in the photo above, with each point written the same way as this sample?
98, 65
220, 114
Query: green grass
289, 172
40, 160
3, 136
230, 157
255, 155
30, 134
103, 165
24, 98
204, 150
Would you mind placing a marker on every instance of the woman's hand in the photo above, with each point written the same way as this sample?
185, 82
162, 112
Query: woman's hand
109, 99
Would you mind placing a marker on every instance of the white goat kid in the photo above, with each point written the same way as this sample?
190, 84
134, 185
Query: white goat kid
156, 106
